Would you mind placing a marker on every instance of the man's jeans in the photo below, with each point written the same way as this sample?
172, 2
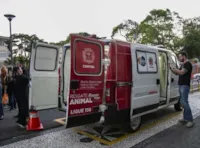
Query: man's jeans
184, 93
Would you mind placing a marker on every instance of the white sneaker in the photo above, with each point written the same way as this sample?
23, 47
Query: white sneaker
182, 121
20, 125
190, 124
1, 117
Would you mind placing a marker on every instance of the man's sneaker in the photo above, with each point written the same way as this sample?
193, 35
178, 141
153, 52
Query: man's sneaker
1, 117
16, 116
182, 121
11, 110
21, 125
190, 124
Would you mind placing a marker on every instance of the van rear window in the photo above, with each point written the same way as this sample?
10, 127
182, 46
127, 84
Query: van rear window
88, 57
45, 58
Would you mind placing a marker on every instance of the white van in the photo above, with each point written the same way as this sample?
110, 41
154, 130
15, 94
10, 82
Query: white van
136, 80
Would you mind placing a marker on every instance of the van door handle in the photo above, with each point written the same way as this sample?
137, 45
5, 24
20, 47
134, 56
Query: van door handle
172, 79
74, 84
158, 81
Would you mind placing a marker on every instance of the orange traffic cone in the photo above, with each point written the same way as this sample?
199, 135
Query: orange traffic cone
34, 122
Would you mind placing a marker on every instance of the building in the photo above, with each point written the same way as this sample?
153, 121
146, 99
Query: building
4, 52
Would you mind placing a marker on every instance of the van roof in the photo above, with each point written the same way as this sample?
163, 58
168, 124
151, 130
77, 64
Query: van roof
159, 47
103, 40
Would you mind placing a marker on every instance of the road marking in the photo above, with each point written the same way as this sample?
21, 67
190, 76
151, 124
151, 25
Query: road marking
92, 136
145, 127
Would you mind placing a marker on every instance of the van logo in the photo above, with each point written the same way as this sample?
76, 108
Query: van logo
141, 94
142, 61
88, 55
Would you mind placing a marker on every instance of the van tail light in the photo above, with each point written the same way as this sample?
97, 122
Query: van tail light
110, 92
59, 81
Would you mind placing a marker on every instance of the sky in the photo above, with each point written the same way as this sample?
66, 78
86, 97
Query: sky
54, 20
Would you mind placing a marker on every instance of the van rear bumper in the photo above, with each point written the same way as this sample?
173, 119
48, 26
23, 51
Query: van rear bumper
112, 116
83, 120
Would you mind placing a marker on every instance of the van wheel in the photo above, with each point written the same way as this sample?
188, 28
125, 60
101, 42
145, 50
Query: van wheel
178, 106
135, 123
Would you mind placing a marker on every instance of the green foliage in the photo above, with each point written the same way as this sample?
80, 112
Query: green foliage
21, 47
16, 59
163, 27
191, 37
158, 28
195, 60
128, 29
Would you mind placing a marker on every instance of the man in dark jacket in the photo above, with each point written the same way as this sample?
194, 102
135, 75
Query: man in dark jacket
21, 87
14, 74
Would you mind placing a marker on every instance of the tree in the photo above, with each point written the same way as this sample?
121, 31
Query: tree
22, 42
195, 60
22, 47
191, 37
159, 27
129, 29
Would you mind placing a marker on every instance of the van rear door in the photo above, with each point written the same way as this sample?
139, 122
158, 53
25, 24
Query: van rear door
43, 92
173, 79
86, 91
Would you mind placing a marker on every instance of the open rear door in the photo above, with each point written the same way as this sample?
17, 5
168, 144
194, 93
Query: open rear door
173, 79
43, 92
86, 91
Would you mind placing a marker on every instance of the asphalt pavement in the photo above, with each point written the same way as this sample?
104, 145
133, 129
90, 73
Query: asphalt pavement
177, 136
10, 132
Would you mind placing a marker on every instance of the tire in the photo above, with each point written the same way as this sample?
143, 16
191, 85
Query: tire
178, 106
135, 124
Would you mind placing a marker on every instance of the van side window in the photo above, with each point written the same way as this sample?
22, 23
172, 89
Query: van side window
146, 62
44, 61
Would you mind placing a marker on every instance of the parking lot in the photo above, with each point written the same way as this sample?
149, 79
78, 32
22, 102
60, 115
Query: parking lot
90, 136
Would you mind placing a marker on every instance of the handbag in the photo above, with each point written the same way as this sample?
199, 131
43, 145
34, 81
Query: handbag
5, 99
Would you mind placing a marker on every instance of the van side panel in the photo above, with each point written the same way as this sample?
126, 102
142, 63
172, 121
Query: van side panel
145, 94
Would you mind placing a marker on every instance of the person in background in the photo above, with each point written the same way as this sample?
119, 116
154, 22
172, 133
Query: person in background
22, 82
1, 105
14, 74
4, 79
184, 87
10, 91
